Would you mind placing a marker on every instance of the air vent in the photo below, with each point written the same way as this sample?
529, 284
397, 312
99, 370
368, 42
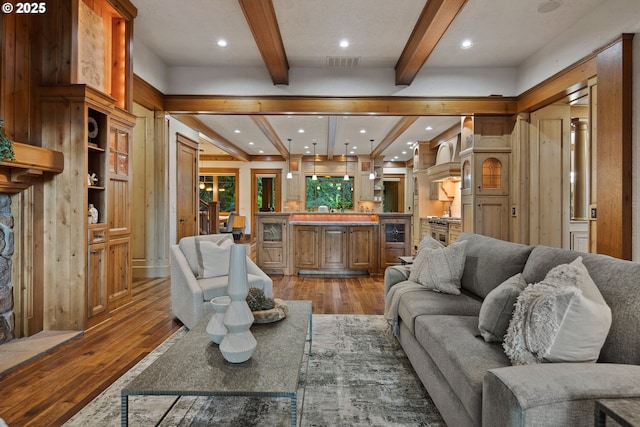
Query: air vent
343, 61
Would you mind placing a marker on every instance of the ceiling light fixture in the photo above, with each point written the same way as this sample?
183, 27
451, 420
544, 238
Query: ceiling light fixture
466, 44
314, 177
222, 43
289, 174
344, 43
346, 172
372, 172
549, 6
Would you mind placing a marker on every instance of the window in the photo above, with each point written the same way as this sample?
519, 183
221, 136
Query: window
221, 188
491, 173
330, 191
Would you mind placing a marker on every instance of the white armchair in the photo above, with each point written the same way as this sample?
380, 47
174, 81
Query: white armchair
191, 296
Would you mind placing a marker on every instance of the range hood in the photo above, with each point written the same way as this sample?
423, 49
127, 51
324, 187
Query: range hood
444, 172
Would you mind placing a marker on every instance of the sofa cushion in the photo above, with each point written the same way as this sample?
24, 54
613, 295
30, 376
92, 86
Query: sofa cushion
563, 318
617, 281
497, 308
418, 303
217, 286
490, 262
420, 259
213, 258
440, 269
461, 356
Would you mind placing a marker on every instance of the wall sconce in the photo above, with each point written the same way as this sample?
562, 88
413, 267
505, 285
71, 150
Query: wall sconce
289, 174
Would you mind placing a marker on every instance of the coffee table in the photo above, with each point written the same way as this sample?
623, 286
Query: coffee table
194, 366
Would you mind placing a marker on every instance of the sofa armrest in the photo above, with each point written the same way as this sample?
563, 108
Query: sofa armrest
553, 393
394, 275
187, 297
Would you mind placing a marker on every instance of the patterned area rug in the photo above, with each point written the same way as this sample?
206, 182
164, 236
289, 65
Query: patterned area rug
357, 375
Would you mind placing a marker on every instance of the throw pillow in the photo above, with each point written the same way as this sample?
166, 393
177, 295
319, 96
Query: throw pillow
563, 318
441, 269
420, 257
497, 308
213, 258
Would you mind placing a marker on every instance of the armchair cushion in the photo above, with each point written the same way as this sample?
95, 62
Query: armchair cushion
213, 258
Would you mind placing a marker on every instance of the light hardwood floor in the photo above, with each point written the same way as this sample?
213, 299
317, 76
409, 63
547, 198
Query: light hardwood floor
52, 388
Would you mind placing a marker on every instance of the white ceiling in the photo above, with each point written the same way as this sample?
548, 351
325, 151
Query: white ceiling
504, 32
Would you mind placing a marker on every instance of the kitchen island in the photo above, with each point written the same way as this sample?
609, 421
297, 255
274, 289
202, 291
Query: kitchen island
331, 243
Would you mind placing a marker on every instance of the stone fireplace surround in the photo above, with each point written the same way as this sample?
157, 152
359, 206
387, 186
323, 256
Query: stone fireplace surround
7, 318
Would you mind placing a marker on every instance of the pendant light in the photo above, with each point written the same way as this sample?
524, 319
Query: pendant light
346, 173
314, 177
289, 174
372, 173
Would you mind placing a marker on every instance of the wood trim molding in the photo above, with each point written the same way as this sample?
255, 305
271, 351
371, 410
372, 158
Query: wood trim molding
434, 20
147, 95
261, 17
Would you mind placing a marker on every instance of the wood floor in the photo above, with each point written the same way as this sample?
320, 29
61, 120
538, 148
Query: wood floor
52, 388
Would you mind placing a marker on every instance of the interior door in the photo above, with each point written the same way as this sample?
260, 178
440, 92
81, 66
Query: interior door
550, 169
186, 187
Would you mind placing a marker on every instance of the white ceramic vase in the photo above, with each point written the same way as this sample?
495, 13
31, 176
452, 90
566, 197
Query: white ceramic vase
238, 344
215, 327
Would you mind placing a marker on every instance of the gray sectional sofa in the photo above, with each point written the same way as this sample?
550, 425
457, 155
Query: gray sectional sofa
473, 382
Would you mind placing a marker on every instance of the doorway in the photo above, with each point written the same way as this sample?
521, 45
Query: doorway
393, 198
266, 192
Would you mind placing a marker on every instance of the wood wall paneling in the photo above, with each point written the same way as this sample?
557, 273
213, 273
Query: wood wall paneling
614, 156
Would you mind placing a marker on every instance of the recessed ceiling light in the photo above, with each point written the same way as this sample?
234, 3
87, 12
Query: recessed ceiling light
428, 128
363, 131
466, 44
300, 130
260, 151
251, 143
549, 6
409, 142
236, 131
344, 43
222, 43
404, 152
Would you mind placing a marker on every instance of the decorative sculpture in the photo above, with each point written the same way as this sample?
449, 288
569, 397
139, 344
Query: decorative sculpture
238, 345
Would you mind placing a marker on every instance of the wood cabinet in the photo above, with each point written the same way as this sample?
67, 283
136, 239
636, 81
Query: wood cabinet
95, 136
485, 178
295, 184
361, 254
395, 239
306, 246
334, 247
272, 243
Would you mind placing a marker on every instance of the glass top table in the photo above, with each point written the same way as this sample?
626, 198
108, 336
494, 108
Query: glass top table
194, 366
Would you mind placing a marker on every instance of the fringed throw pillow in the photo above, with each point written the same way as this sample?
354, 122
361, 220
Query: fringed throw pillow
563, 318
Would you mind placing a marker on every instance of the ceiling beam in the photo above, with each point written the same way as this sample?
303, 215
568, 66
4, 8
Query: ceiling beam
261, 17
217, 139
383, 105
434, 20
401, 126
272, 136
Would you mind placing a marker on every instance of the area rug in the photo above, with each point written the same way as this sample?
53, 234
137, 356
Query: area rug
357, 375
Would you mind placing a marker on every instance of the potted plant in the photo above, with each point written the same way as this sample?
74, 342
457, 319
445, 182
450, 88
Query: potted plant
6, 145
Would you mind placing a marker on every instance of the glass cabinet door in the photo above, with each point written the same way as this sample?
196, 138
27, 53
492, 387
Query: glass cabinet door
272, 232
394, 233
